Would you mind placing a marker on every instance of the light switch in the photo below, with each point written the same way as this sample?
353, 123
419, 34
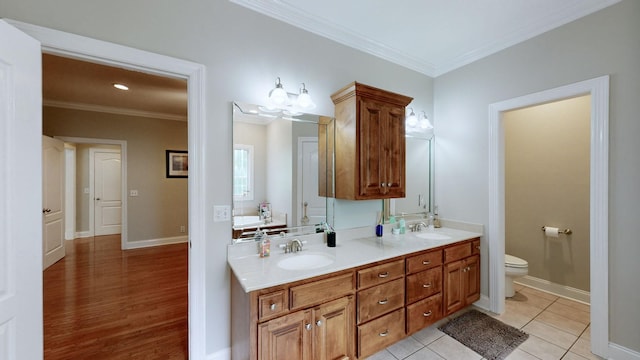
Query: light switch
221, 213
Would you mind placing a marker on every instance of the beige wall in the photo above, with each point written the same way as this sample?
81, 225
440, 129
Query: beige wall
161, 207
547, 184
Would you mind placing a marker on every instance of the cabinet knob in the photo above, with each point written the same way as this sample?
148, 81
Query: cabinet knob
383, 275
426, 286
427, 314
383, 184
385, 333
383, 302
272, 307
388, 184
319, 323
307, 326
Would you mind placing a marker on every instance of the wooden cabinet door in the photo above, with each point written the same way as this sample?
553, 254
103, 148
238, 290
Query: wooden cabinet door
453, 287
287, 337
382, 150
334, 336
472, 279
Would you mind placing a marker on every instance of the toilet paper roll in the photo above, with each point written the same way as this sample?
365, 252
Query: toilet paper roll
551, 231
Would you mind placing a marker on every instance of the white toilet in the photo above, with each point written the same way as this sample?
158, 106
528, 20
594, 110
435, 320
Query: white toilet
514, 267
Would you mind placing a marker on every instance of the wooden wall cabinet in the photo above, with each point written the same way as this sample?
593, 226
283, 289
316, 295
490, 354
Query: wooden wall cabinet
461, 276
369, 143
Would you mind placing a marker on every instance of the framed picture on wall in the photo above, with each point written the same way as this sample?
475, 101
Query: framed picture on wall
177, 163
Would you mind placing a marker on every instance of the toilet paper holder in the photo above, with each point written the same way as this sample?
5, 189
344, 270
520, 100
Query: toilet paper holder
560, 231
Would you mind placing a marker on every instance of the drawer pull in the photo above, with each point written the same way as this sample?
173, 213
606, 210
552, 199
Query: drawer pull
307, 326
383, 302
272, 307
426, 286
383, 275
385, 333
427, 314
426, 262
318, 323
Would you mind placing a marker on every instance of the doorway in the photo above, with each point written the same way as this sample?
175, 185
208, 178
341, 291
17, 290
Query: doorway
66, 44
598, 88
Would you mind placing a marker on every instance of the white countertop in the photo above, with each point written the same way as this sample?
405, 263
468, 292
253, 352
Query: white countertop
355, 247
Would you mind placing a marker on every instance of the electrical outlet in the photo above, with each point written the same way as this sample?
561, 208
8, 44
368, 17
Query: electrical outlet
133, 192
221, 213
182, 228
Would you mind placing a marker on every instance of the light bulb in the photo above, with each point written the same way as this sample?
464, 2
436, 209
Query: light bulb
412, 119
425, 124
304, 99
278, 96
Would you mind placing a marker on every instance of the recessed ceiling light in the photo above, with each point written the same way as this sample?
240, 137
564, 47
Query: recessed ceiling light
120, 86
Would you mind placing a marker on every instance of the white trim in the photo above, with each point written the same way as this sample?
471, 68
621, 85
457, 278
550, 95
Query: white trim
618, 352
224, 354
157, 242
80, 47
599, 198
112, 110
547, 286
299, 210
83, 234
70, 191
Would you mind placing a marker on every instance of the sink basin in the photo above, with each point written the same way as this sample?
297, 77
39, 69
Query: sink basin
305, 261
433, 236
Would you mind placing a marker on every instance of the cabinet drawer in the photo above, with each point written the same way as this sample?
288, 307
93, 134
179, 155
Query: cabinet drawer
322, 290
381, 273
380, 333
457, 252
475, 247
424, 313
424, 284
272, 304
380, 299
424, 261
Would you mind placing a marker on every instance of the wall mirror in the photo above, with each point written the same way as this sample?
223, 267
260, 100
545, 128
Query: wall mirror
281, 183
419, 179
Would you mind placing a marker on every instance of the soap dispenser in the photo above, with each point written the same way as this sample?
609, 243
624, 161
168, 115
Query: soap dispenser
436, 218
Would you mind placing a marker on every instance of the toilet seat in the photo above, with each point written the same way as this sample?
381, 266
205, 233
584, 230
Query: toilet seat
514, 262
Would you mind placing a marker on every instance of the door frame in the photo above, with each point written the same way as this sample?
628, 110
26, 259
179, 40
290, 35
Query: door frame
124, 238
598, 88
83, 48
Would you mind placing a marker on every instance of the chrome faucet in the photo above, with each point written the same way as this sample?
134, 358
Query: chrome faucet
294, 245
419, 226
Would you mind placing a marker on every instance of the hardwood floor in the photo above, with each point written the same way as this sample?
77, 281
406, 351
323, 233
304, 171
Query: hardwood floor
104, 303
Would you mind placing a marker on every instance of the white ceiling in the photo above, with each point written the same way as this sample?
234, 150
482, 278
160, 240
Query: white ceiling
430, 36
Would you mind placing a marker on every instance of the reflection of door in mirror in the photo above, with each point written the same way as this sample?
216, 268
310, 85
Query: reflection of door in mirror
276, 162
418, 178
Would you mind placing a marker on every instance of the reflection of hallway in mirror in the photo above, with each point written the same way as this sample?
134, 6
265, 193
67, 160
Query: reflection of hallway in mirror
101, 302
311, 207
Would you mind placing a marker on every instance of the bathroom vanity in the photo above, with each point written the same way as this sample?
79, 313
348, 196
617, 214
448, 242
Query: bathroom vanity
350, 301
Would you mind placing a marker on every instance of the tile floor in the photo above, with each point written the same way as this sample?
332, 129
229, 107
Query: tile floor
558, 329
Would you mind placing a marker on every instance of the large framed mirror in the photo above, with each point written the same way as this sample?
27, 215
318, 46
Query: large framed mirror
282, 174
419, 178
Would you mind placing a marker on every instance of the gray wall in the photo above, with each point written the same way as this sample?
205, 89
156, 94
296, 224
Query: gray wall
606, 42
243, 52
161, 206
547, 184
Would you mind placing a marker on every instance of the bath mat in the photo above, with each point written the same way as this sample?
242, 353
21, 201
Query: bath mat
485, 335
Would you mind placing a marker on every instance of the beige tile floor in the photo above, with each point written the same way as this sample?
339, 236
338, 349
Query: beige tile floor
558, 329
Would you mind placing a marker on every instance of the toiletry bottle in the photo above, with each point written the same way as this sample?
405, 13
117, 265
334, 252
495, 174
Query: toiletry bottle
265, 247
436, 218
379, 227
402, 224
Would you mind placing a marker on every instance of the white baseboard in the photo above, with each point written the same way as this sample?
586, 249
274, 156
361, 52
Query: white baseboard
83, 234
483, 303
617, 352
224, 354
555, 289
155, 242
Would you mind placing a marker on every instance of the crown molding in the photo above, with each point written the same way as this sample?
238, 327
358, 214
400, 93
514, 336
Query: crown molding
112, 110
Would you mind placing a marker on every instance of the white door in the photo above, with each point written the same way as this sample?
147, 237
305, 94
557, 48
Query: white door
53, 158
107, 182
20, 195
309, 203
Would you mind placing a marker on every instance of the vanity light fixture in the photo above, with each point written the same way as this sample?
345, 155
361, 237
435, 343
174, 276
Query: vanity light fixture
425, 124
412, 119
278, 96
120, 86
304, 101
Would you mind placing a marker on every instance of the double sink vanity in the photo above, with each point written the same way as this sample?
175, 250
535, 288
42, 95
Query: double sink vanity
368, 292
352, 300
